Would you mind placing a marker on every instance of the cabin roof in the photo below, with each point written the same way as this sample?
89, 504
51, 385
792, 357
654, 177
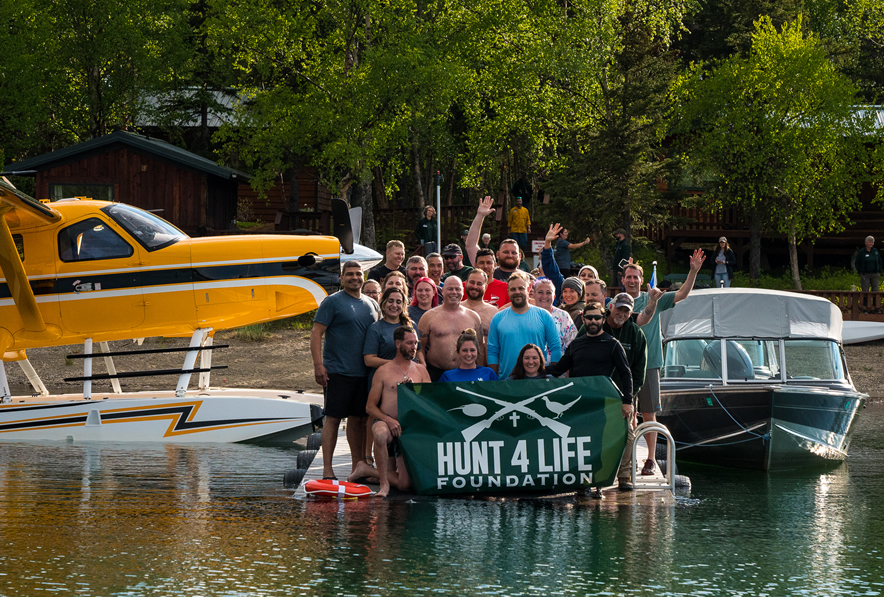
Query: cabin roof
751, 313
140, 143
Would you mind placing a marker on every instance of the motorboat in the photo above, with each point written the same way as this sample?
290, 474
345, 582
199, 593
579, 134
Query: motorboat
757, 379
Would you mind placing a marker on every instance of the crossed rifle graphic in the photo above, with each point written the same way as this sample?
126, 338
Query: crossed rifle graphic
472, 431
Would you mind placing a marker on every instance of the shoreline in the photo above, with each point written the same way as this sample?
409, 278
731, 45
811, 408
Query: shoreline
283, 362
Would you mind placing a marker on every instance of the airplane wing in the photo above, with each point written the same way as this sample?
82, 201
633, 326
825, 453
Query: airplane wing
11, 264
12, 198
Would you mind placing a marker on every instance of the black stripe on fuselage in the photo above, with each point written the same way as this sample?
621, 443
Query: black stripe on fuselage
325, 275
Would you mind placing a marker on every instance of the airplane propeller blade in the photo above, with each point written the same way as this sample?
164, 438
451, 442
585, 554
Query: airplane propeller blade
342, 228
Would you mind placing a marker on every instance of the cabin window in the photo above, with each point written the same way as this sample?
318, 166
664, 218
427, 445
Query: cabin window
90, 240
99, 192
691, 358
19, 245
813, 359
150, 231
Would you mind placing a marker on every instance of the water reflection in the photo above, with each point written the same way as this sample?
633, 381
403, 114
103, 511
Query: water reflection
215, 520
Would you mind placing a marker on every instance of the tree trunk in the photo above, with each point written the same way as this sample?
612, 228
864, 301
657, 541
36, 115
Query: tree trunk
380, 190
754, 244
293, 199
451, 176
793, 257
416, 170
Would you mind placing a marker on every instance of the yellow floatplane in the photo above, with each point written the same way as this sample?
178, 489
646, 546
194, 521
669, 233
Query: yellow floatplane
78, 271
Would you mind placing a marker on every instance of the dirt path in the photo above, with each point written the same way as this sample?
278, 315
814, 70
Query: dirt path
283, 362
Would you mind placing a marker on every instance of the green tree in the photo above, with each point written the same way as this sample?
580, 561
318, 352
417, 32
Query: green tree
608, 178
780, 135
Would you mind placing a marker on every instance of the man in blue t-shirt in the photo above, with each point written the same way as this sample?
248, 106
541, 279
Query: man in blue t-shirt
520, 324
343, 318
649, 320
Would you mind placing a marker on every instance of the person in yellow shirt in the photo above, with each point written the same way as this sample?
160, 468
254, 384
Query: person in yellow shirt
520, 224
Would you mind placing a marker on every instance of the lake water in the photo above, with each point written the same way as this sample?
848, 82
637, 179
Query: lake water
145, 520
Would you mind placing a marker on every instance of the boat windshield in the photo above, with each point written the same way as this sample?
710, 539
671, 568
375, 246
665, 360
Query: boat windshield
150, 231
752, 359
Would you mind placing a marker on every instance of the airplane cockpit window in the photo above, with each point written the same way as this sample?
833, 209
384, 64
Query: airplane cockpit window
89, 240
150, 231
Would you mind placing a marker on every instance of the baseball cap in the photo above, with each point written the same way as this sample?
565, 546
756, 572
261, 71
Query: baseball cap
452, 249
623, 300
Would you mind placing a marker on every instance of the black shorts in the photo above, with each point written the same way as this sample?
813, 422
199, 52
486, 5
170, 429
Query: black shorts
346, 396
435, 372
394, 448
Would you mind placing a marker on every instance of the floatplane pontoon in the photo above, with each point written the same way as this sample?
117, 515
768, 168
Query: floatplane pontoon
757, 379
90, 272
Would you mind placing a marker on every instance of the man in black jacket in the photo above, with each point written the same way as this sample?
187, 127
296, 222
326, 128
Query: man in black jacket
598, 353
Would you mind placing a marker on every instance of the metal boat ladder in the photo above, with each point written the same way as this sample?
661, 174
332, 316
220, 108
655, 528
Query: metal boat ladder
669, 473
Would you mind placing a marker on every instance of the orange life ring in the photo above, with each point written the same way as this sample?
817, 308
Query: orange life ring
333, 488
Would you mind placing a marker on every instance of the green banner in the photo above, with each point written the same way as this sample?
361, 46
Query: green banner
529, 435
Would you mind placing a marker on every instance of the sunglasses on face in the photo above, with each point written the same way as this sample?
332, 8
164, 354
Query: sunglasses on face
593, 317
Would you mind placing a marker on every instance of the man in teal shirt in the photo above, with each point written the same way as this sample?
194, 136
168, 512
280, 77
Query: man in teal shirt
649, 396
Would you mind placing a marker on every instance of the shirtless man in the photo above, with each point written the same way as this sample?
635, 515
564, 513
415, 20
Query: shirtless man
383, 409
496, 292
475, 291
440, 327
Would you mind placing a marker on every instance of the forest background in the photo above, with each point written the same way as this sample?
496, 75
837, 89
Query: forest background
768, 105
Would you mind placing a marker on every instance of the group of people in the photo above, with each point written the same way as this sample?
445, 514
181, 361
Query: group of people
414, 323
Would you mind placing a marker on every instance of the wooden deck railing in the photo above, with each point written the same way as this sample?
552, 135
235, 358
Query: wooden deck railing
854, 304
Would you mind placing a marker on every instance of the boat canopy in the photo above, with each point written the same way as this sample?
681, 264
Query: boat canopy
751, 313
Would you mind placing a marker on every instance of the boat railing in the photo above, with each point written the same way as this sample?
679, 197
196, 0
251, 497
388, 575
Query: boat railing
669, 473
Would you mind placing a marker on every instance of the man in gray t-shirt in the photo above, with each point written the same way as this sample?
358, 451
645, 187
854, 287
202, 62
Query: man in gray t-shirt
343, 318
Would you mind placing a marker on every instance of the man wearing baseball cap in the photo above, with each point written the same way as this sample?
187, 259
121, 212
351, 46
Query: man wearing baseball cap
452, 256
619, 323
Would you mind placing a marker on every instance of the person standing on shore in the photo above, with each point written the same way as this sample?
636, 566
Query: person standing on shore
343, 319
474, 291
427, 230
622, 253
519, 224
508, 257
725, 260
563, 251
868, 265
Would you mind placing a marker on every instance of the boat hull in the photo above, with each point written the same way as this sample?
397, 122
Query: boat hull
761, 427
225, 415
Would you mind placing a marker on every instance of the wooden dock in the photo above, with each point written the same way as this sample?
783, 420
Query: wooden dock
648, 490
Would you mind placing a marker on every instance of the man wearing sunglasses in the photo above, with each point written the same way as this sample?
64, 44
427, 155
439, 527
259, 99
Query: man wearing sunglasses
597, 353
452, 255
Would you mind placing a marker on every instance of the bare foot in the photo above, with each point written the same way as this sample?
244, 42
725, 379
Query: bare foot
364, 470
383, 491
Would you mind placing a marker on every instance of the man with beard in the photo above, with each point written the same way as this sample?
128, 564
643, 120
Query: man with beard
620, 325
343, 318
383, 408
496, 292
508, 257
440, 328
599, 353
453, 257
649, 397
475, 292
415, 269
520, 324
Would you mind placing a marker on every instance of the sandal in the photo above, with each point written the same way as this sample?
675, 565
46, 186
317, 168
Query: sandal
649, 467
